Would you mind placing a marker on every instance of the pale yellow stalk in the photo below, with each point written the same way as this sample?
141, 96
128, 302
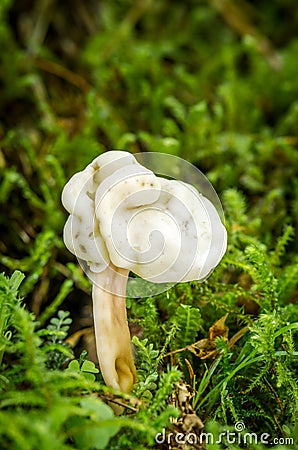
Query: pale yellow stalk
113, 342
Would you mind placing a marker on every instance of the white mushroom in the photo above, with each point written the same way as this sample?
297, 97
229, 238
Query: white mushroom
125, 218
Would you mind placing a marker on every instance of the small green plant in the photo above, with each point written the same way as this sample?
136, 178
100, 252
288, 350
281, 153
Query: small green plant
55, 334
87, 368
148, 365
8, 300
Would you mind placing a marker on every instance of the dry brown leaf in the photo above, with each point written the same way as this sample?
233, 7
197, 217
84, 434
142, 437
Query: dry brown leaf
219, 329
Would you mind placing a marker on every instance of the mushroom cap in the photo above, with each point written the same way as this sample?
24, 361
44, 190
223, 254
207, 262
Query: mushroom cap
121, 212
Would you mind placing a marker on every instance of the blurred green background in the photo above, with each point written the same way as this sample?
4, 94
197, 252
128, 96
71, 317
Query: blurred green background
214, 82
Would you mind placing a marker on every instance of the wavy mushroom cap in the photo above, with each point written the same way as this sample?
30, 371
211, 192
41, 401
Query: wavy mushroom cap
162, 230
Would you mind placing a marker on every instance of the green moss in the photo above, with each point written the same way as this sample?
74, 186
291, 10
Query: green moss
212, 82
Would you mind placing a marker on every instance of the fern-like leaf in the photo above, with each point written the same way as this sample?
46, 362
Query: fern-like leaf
188, 320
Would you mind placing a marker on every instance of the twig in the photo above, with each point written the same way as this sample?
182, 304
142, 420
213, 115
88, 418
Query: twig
60, 71
118, 402
235, 17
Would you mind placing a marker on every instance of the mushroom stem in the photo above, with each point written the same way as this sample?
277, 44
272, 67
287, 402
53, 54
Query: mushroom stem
113, 343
